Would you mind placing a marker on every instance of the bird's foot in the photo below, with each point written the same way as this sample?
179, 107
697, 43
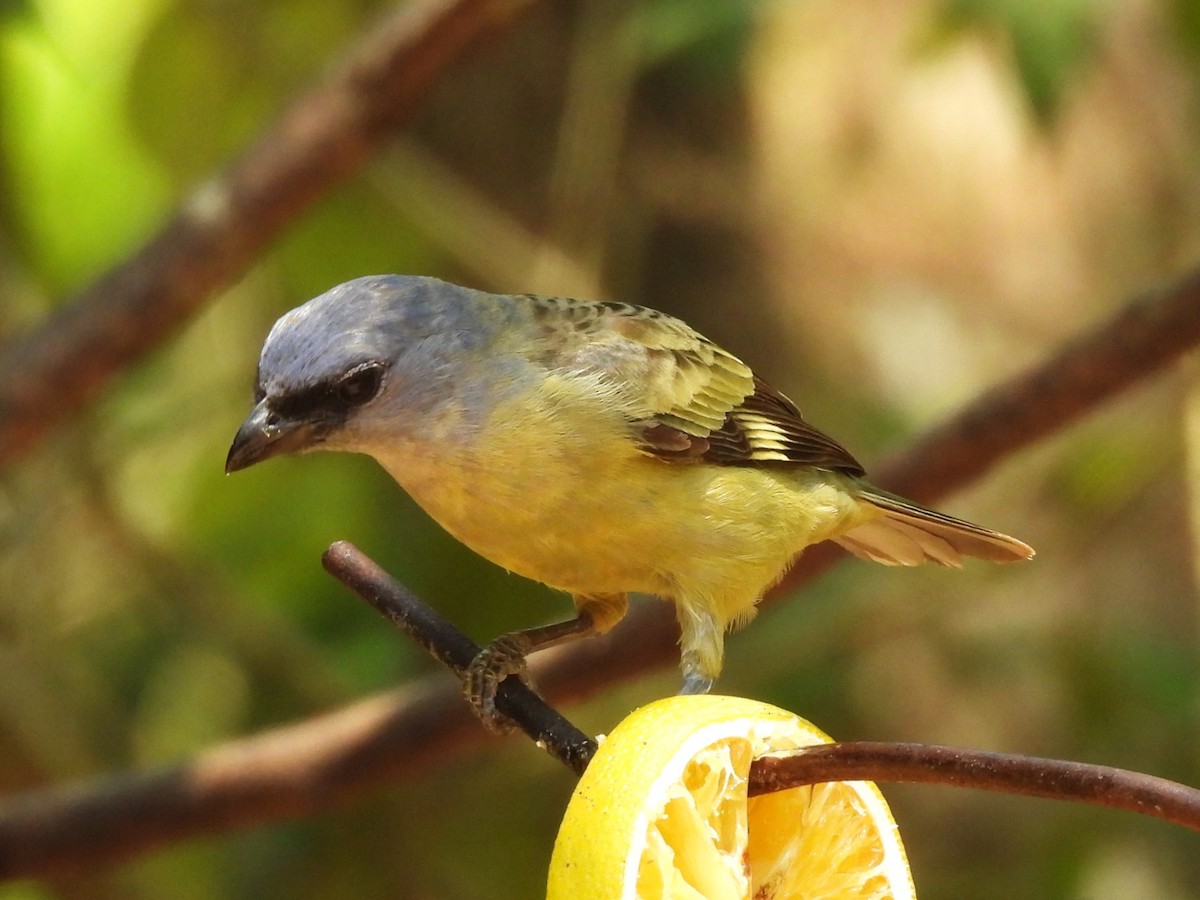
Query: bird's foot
501, 658
695, 683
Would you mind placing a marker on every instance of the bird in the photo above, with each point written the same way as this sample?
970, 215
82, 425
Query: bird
598, 447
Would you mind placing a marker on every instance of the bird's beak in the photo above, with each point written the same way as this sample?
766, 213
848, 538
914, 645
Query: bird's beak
263, 435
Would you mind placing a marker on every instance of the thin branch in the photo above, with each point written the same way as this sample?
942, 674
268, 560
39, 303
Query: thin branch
919, 763
1031, 776
1144, 337
544, 725
219, 232
287, 772
293, 771
309, 766
872, 761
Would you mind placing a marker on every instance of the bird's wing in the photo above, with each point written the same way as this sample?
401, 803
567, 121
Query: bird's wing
691, 400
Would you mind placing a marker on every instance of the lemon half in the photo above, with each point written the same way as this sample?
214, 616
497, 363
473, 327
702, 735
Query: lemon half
662, 812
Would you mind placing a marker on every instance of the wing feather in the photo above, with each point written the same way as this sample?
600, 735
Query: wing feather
694, 401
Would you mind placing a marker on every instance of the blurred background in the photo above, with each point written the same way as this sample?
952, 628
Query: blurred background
883, 205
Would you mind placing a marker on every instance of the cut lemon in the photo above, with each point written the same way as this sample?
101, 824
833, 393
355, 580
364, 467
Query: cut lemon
662, 812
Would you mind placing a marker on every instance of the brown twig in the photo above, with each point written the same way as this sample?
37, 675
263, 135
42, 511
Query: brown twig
544, 725
1054, 779
218, 232
1147, 335
287, 772
873, 761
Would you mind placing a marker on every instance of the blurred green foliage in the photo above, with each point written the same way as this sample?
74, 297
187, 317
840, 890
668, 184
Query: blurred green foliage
871, 218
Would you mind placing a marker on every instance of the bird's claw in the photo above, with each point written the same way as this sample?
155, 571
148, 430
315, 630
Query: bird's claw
501, 658
695, 683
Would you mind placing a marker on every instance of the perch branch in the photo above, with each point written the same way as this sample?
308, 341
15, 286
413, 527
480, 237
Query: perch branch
1054, 779
544, 725
919, 763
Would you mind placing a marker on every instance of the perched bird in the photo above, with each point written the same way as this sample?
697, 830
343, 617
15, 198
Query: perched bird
597, 447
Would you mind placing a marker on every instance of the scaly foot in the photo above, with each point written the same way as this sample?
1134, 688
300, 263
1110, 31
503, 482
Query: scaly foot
501, 658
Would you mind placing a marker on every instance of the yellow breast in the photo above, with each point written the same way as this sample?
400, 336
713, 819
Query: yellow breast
555, 489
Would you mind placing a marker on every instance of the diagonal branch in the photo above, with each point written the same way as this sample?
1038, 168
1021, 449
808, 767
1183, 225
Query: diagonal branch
296, 770
1054, 779
218, 232
309, 766
541, 722
1147, 335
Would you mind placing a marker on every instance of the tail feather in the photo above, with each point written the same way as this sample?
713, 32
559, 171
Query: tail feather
907, 535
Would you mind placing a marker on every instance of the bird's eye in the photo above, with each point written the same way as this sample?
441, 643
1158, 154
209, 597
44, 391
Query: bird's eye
360, 385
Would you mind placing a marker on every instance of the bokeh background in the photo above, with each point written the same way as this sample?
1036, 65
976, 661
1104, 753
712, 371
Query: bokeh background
883, 205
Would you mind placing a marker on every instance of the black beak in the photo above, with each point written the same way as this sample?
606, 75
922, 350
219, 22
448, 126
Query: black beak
263, 435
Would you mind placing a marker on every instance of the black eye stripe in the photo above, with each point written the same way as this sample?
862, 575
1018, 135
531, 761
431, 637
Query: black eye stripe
332, 398
303, 404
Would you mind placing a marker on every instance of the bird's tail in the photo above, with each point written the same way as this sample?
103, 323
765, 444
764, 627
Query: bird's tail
907, 535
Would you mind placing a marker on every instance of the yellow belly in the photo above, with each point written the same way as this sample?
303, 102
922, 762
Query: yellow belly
598, 517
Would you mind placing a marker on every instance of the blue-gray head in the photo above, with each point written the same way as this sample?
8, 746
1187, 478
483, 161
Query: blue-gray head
371, 354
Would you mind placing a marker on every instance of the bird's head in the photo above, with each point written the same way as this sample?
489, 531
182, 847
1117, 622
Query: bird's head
370, 360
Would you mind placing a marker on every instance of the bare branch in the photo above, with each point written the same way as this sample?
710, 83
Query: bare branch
872, 761
1147, 335
217, 234
917, 763
544, 725
1009, 773
287, 772
284, 773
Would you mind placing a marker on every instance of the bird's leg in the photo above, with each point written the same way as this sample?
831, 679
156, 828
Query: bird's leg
506, 655
702, 648
695, 683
